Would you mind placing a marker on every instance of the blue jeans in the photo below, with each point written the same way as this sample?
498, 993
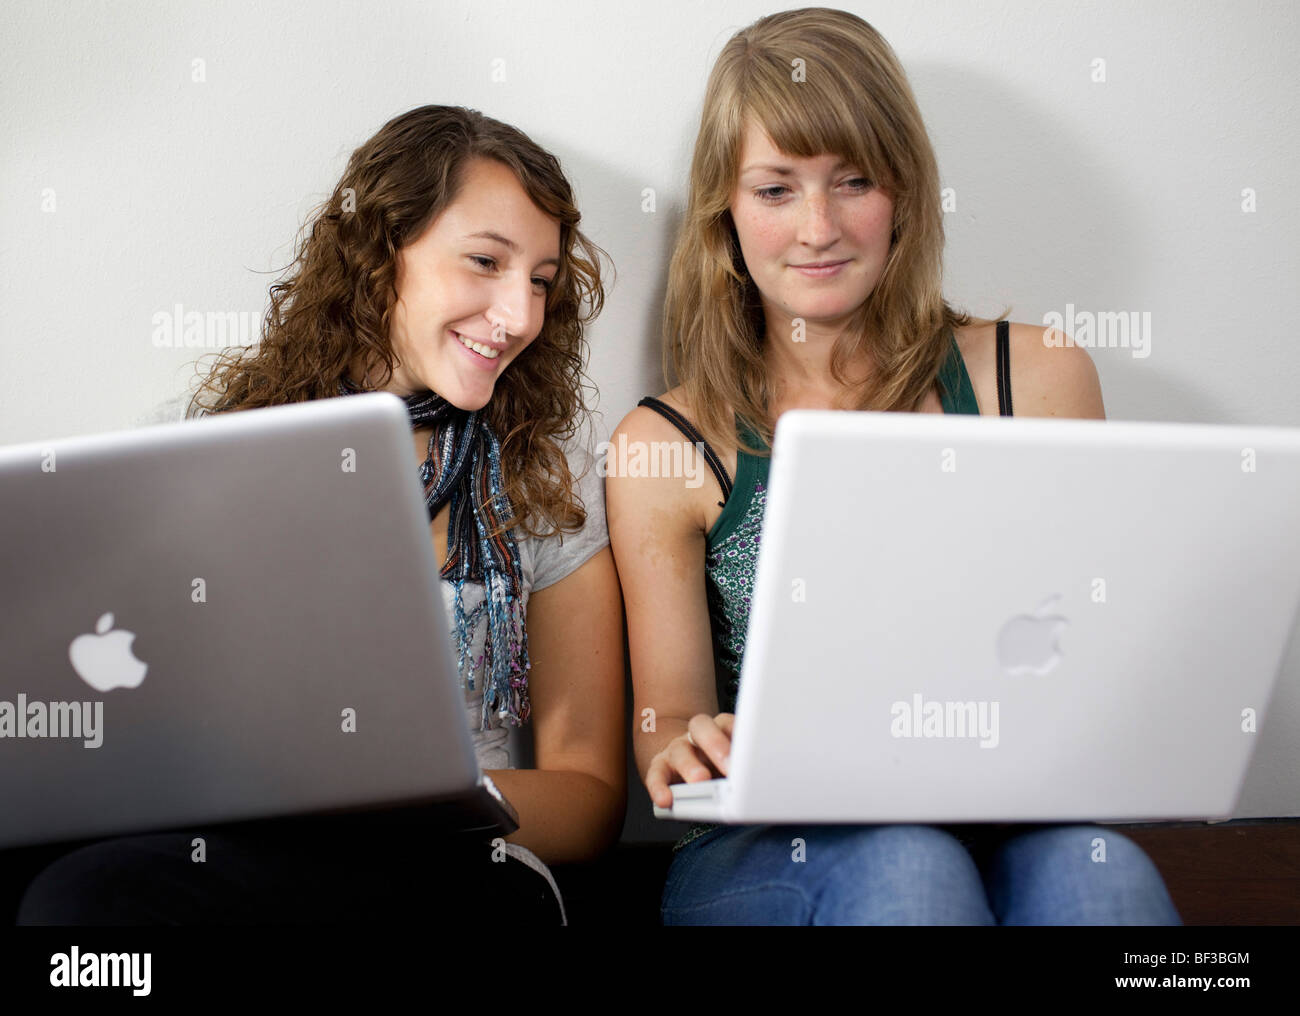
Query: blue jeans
914, 874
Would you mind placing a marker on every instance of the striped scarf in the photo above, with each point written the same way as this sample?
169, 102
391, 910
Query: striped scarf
464, 466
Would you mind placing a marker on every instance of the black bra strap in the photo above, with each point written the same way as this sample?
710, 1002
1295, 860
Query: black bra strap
684, 425
1004, 369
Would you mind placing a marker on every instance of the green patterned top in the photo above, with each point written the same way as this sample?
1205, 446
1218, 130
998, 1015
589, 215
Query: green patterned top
731, 548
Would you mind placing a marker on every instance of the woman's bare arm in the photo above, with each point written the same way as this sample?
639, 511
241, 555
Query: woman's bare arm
571, 806
657, 535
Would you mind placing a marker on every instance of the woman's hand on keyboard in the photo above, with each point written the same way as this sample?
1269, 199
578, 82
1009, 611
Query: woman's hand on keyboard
702, 753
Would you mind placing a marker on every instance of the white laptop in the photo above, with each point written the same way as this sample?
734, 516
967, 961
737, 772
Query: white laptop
981, 619
228, 619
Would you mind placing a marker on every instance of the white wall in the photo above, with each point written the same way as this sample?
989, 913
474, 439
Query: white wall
1123, 195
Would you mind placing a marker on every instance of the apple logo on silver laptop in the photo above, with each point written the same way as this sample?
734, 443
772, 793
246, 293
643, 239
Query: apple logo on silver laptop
105, 660
1027, 643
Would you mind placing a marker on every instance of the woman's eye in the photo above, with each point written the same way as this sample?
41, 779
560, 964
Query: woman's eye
490, 263
775, 193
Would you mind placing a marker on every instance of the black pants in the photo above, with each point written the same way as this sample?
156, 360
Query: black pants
324, 872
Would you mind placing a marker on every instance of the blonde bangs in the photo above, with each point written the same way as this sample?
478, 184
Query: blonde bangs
818, 82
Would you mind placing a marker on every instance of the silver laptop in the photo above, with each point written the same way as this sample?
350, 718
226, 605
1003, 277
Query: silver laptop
228, 619
970, 619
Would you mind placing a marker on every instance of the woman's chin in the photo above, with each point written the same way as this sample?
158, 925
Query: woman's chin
469, 397
469, 386
463, 390
827, 313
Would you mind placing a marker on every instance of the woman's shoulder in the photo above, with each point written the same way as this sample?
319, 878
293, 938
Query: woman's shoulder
649, 424
559, 553
1050, 375
643, 417
642, 494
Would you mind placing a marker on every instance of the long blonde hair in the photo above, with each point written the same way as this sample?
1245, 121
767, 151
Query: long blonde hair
855, 102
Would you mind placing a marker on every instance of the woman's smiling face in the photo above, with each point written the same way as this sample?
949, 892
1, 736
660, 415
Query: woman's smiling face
479, 274
794, 213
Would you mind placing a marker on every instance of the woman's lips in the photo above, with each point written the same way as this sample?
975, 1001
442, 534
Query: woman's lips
820, 273
478, 359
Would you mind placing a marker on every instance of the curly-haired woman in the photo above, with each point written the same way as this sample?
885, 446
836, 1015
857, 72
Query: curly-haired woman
447, 267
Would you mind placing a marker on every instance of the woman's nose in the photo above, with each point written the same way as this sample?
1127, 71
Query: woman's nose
817, 225
514, 311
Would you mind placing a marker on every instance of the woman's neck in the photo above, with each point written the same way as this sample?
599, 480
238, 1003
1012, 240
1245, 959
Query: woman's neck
799, 372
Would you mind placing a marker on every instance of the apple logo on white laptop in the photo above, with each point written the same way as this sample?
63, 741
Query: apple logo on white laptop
105, 660
1027, 643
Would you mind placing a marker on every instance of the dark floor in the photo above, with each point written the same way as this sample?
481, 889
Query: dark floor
1235, 873
1243, 872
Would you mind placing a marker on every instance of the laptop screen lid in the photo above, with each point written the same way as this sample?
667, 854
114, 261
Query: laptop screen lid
963, 618
273, 573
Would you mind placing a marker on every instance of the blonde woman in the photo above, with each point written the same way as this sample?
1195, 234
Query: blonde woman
807, 274
447, 268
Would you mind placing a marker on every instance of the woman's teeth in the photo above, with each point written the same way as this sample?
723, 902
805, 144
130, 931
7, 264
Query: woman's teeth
479, 348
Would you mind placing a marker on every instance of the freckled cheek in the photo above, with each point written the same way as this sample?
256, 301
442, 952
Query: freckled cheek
872, 226
763, 237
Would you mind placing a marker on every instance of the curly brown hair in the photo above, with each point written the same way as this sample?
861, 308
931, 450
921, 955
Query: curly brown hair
333, 306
